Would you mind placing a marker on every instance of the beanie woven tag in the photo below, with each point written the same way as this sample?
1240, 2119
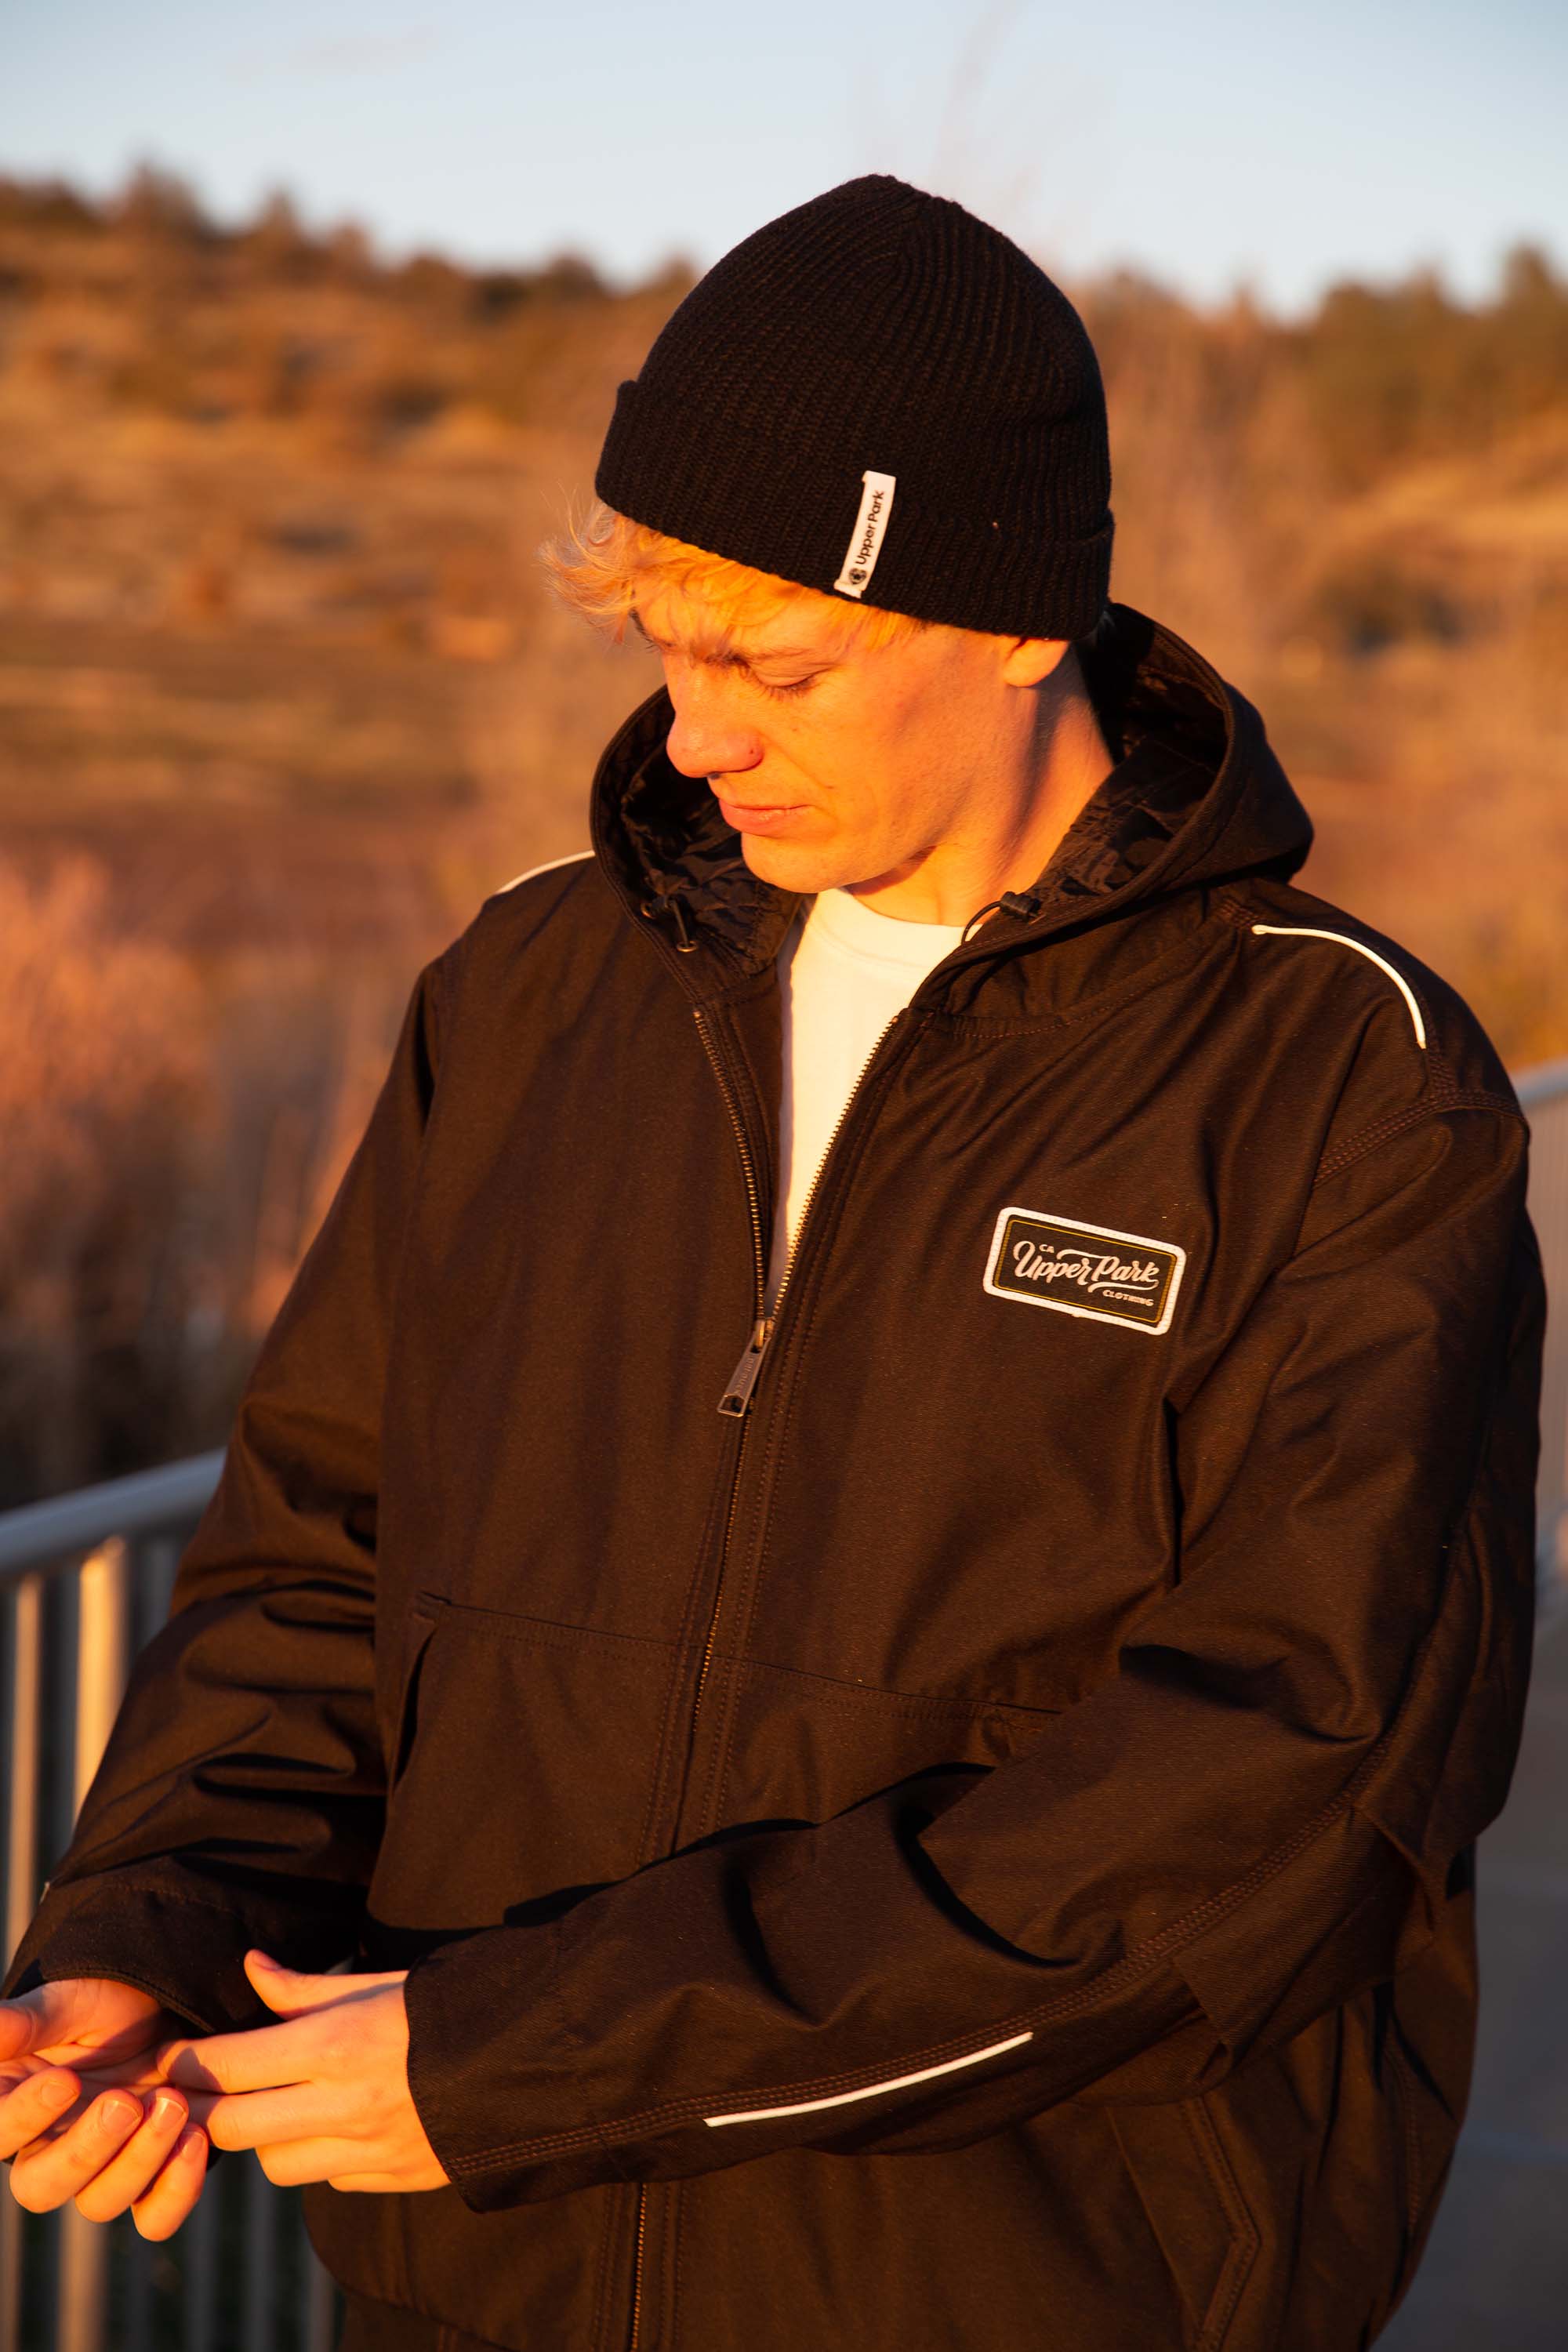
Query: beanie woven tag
865, 539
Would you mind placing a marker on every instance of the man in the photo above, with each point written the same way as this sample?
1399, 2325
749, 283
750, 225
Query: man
880, 1571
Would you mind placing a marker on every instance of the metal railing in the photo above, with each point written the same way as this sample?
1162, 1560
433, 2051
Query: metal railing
1544, 1095
86, 1581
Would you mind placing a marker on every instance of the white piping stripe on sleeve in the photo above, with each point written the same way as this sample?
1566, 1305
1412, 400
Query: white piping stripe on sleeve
549, 867
1301, 931
873, 2090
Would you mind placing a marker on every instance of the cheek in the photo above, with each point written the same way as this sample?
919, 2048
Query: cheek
867, 762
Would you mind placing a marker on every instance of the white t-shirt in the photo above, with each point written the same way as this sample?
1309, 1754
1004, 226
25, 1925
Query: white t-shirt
844, 973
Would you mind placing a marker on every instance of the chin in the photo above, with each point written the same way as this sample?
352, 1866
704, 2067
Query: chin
797, 866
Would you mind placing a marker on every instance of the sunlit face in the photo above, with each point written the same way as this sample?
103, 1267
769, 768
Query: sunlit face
839, 765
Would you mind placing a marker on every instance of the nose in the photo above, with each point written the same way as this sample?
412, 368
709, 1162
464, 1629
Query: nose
711, 737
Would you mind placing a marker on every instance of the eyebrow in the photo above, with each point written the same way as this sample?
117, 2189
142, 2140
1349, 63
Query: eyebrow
721, 647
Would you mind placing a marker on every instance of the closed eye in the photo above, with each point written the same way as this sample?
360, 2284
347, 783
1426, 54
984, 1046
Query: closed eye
784, 687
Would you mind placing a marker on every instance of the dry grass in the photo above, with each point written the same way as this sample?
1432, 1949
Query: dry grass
173, 1139
282, 696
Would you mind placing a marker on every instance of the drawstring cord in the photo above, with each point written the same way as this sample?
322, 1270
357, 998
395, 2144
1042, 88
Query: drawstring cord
1021, 903
674, 907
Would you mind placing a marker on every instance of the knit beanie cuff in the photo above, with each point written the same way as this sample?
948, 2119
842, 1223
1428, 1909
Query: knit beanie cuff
741, 496
879, 397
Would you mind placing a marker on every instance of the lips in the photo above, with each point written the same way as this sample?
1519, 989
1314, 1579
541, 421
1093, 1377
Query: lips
761, 817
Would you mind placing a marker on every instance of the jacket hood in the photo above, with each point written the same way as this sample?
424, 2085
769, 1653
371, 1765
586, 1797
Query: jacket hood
1196, 797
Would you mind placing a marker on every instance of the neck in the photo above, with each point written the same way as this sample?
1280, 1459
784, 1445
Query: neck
1045, 762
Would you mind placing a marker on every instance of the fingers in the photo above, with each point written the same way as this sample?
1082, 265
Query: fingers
252, 2118
174, 2194
51, 2172
261, 2060
289, 1991
30, 2110
292, 2161
129, 2174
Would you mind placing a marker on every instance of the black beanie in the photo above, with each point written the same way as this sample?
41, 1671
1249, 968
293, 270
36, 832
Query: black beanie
877, 395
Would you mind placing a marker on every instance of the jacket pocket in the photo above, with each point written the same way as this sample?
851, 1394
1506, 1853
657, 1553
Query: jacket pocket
504, 1791
804, 1745
419, 1626
1177, 2164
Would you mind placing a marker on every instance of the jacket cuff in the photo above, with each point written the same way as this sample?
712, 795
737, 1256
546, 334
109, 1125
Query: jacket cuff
187, 1953
179, 1935
494, 2068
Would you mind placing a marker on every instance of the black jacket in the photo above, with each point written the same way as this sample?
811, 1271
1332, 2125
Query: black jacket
974, 1850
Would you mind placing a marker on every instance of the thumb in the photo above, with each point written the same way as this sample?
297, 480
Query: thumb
290, 1992
51, 2013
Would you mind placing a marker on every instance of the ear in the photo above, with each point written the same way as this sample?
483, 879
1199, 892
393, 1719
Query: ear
1029, 661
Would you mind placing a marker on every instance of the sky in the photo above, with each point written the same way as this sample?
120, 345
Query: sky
1210, 145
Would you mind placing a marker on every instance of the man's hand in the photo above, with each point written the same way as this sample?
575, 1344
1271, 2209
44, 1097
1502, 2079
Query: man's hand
83, 2112
324, 2097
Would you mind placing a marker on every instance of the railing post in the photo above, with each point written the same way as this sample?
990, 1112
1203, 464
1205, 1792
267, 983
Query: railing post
258, 2322
26, 1648
102, 1661
103, 1644
83, 2283
319, 2314
22, 1780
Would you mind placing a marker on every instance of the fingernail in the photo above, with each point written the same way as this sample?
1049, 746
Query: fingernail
57, 2093
164, 2107
117, 2117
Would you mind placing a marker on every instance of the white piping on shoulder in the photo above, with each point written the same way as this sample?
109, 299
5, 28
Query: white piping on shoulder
873, 2090
1302, 932
549, 867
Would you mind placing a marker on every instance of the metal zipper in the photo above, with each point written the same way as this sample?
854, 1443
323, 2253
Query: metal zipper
746, 1371
734, 1403
737, 1395
637, 2268
760, 1285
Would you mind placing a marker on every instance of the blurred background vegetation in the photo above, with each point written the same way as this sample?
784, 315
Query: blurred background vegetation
282, 697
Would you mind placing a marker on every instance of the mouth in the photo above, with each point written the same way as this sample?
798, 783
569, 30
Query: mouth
759, 816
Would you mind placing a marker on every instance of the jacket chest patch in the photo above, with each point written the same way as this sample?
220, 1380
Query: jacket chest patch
1079, 1269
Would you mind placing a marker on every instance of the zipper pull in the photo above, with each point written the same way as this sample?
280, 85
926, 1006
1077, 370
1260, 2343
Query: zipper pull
743, 1378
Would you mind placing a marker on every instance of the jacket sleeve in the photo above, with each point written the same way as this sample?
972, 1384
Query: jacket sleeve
1252, 1820
240, 1798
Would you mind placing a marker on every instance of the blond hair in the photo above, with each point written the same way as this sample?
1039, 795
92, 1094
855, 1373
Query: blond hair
597, 567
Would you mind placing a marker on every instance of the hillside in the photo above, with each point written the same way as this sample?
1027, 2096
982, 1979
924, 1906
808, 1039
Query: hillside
277, 673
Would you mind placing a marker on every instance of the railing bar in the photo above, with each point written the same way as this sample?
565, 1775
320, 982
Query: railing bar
200, 2235
318, 2317
26, 1692
82, 2254
140, 2256
59, 1730
158, 1563
102, 1659
145, 1504
1543, 1084
258, 2330
24, 1713
10, 2273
